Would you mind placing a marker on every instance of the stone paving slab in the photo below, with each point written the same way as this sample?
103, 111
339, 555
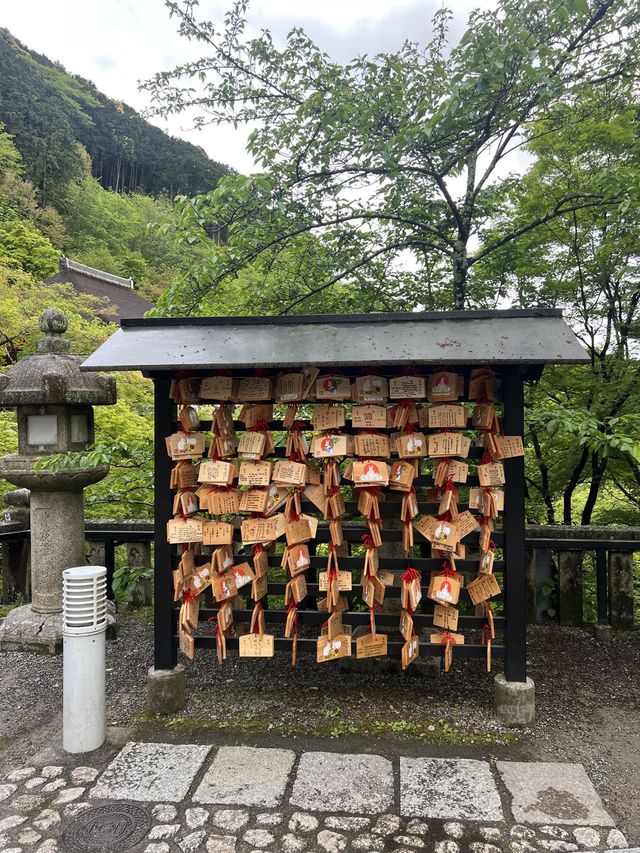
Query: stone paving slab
338, 782
448, 788
248, 776
552, 793
151, 772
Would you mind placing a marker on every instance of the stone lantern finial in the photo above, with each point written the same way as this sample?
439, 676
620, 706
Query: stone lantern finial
54, 324
53, 321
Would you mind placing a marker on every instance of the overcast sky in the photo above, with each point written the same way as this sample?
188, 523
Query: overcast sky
116, 43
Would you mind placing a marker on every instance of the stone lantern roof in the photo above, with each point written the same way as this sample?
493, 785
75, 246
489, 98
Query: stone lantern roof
52, 376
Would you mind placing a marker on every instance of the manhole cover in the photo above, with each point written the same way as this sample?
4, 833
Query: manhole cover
117, 826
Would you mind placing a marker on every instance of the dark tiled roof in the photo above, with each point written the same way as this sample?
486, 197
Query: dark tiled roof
126, 303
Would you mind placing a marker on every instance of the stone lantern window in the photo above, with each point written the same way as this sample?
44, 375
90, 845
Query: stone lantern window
42, 430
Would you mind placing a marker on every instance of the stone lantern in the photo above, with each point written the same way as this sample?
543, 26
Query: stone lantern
54, 403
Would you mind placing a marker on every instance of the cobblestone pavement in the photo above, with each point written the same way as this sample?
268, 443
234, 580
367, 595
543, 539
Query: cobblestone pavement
198, 798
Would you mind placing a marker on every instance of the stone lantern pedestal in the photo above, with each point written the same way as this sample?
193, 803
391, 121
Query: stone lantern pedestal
54, 406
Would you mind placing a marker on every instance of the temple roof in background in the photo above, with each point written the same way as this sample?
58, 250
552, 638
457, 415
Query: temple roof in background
120, 292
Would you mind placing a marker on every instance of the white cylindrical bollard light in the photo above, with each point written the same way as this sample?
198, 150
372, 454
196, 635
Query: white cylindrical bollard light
84, 626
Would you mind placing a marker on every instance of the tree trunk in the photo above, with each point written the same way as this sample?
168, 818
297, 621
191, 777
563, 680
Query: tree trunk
571, 485
598, 467
459, 274
545, 491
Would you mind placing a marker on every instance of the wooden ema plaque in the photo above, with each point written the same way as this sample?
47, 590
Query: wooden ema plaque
369, 417
186, 445
411, 445
333, 388
410, 651
217, 472
328, 417
254, 500
290, 388
444, 589
443, 386
256, 646
186, 644
345, 583
291, 473
255, 388
491, 474
217, 533
445, 617
226, 502
483, 588
371, 389
216, 388
185, 531
407, 387
256, 530
372, 444
444, 416
508, 446
370, 472
371, 646
251, 445
338, 647
254, 473
329, 446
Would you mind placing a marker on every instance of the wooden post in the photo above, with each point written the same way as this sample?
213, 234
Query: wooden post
514, 571
165, 647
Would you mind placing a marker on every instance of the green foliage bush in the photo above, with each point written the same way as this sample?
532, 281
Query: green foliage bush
23, 246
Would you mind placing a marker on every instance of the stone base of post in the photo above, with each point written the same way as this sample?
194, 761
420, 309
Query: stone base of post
514, 701
166, 690
602, 633
25, 630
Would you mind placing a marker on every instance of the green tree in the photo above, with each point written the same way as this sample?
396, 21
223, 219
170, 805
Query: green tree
23, 246
396, 153
583, 422
18, 198
10, 159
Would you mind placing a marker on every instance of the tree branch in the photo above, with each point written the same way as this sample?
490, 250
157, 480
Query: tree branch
362, 262
541, 220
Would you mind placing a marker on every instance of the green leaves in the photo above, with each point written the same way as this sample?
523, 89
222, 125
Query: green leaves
22, 246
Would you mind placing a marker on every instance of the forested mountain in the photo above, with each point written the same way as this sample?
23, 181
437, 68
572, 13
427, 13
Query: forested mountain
56, 117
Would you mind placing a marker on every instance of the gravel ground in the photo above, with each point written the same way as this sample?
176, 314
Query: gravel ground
587, 697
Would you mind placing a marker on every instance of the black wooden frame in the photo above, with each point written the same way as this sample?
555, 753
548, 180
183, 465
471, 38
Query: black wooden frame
512, 624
